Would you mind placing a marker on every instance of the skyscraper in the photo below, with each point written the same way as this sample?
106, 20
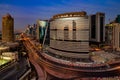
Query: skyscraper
113, 35
116, 36
7, 28
69, 35
109, 34
97, 29
41, 30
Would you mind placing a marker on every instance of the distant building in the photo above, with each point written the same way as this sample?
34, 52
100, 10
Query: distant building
113, 35
17, 36
109, 34
42, 26
31, 31
34, 30
97, 28
10, 55
38, 30
116, 36
117, 20
27, 30
7, 28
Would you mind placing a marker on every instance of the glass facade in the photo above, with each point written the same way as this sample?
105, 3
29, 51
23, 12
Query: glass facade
70, 34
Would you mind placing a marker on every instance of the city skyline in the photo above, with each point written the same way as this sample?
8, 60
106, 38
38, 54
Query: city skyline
27, 12
73, 44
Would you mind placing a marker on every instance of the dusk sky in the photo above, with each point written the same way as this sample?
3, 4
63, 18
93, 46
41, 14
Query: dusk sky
28, 11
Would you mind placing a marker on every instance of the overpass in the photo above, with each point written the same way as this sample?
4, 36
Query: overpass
53, 67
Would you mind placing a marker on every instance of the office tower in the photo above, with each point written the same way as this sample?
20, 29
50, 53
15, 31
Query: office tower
109, 34
113, 35
42, 26
7, 28
97, 29
69, 35
116, 36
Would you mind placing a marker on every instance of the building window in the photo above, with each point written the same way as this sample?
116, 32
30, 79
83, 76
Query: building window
74, 30
74, 24
66, 33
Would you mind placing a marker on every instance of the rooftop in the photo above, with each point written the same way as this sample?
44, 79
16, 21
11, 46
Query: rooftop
70, 14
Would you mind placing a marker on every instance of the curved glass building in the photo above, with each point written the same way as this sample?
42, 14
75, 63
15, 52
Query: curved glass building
69, 35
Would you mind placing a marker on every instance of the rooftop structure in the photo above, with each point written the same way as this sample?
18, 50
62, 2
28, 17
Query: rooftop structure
97, 28
70, 14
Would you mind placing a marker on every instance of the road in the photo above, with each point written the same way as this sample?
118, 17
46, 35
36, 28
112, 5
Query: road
65, 71
15, 70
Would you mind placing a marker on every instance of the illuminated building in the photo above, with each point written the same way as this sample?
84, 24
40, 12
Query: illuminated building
109, 34
116, 36
31, 30
112, 36
34, 30
69, 34
7, 28
68, 56
97, 29
10, 55
41, 30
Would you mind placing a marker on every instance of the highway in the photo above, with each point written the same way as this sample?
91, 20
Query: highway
63, 71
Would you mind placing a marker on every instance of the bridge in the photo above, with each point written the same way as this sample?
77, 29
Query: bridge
52, 67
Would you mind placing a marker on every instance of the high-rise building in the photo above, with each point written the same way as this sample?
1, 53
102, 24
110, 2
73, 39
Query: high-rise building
116, 36
42, 27
7, 28
69, 35
109, 34
113, 35
97, 29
